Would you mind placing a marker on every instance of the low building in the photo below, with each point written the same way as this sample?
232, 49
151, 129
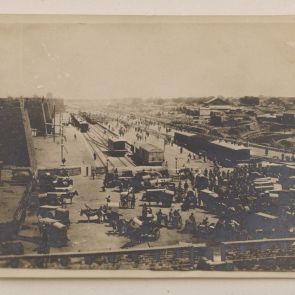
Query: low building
216, 101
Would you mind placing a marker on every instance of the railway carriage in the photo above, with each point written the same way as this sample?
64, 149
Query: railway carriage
78, 122
117, 147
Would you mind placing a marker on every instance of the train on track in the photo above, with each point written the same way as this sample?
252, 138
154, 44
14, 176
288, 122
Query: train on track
226, 153
78, 122
117, 147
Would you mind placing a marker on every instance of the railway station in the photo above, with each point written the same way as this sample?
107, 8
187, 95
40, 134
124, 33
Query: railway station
100, 186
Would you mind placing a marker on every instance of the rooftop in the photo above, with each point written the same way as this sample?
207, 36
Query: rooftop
229, 145
151, 148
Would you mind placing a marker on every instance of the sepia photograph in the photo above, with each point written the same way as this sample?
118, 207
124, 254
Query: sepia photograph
150, 146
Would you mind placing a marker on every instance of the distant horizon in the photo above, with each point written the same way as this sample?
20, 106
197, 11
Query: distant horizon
151, 98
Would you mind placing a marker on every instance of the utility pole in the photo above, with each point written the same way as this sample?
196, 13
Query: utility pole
54, 123
61, 141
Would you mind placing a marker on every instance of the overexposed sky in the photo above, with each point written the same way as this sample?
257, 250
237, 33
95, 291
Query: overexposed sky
147, 59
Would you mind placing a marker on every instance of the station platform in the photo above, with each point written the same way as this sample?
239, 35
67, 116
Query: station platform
76, 151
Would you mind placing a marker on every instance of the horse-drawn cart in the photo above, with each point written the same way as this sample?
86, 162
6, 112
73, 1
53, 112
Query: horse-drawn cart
163, 196
138, 230
55, 212
53, 232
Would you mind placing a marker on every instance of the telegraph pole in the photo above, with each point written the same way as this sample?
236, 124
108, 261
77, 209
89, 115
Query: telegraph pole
54, 123
61, 141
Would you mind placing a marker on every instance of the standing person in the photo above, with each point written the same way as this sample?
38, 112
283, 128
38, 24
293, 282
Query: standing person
192, 219
133, 200
170, 215
185, 186
108, 199
121, 186
44, 239
159, 215
144, 211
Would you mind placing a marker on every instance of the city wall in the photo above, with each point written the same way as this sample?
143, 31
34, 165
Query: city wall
179, 257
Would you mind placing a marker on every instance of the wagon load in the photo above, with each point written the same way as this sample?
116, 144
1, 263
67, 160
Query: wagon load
55, 212
138, 230
53, 231
56, 198
209, 200
263, 184
48, 181
163, 196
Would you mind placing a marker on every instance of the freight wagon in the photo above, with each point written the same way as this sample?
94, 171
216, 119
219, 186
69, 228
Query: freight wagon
117, 147
226, 153
150, 155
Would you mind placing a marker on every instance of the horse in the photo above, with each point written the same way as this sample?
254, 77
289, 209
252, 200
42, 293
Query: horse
90, 213
70, 195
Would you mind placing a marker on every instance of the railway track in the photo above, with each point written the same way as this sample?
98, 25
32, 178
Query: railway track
94, 147
98, 143
100, 135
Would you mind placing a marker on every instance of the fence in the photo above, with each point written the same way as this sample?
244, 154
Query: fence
72, 171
